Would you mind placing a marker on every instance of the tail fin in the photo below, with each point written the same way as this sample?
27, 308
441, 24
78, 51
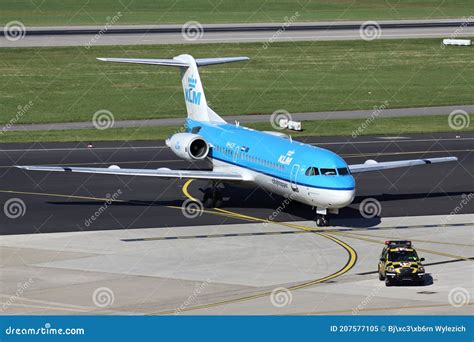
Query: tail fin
196, 104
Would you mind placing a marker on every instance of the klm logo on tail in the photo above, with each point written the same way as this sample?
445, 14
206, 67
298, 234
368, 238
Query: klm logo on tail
190, 93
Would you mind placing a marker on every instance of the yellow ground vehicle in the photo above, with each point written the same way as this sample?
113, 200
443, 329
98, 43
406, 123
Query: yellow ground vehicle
399, 262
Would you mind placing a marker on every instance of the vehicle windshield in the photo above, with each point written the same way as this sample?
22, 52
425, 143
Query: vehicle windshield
403, 256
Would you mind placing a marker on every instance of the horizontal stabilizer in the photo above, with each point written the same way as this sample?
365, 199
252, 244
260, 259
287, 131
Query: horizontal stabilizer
220, 60
176, 62
165, 62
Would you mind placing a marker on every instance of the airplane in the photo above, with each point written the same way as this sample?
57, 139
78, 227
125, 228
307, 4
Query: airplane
271, 160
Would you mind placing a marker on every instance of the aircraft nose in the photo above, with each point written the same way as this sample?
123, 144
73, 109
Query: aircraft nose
342, 198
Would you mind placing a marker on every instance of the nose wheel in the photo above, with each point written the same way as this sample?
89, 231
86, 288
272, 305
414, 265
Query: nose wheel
322, 217
322, 220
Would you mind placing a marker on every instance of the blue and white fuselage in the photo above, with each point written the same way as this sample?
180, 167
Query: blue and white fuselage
308, 174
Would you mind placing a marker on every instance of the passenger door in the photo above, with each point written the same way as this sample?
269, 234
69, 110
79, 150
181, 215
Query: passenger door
294, 176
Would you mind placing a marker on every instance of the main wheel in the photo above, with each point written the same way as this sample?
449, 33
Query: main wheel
217, 199
212, 199
381, 277
207, 201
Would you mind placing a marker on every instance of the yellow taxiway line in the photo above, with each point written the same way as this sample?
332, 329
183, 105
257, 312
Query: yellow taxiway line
352, 254
352, 259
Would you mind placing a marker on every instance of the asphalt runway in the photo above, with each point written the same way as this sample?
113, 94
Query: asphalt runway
60, 202
74, 36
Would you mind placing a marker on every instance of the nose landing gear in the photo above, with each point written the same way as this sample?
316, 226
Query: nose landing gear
322, 220
321, 217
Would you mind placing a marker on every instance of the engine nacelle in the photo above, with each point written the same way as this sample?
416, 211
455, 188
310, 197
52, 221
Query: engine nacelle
188, 146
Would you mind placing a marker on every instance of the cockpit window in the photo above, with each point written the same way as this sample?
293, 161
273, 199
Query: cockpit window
328, 172
343, 171
312, 171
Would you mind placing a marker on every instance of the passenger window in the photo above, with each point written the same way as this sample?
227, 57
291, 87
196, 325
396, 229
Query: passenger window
328, 172
343, 171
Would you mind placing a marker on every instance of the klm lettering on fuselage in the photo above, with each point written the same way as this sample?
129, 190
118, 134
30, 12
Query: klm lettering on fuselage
190, 93
286, 159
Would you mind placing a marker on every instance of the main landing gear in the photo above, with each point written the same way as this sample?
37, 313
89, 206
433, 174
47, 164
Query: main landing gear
212, 196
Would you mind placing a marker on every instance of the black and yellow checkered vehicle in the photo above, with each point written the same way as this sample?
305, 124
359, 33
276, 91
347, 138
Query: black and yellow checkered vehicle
399, 262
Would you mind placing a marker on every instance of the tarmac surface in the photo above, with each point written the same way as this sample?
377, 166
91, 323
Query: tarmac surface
233, 33
141, 256
293, 274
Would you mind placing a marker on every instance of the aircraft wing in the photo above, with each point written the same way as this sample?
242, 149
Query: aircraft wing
372, 165
161, 173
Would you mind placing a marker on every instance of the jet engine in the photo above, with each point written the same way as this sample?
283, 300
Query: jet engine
188, 146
